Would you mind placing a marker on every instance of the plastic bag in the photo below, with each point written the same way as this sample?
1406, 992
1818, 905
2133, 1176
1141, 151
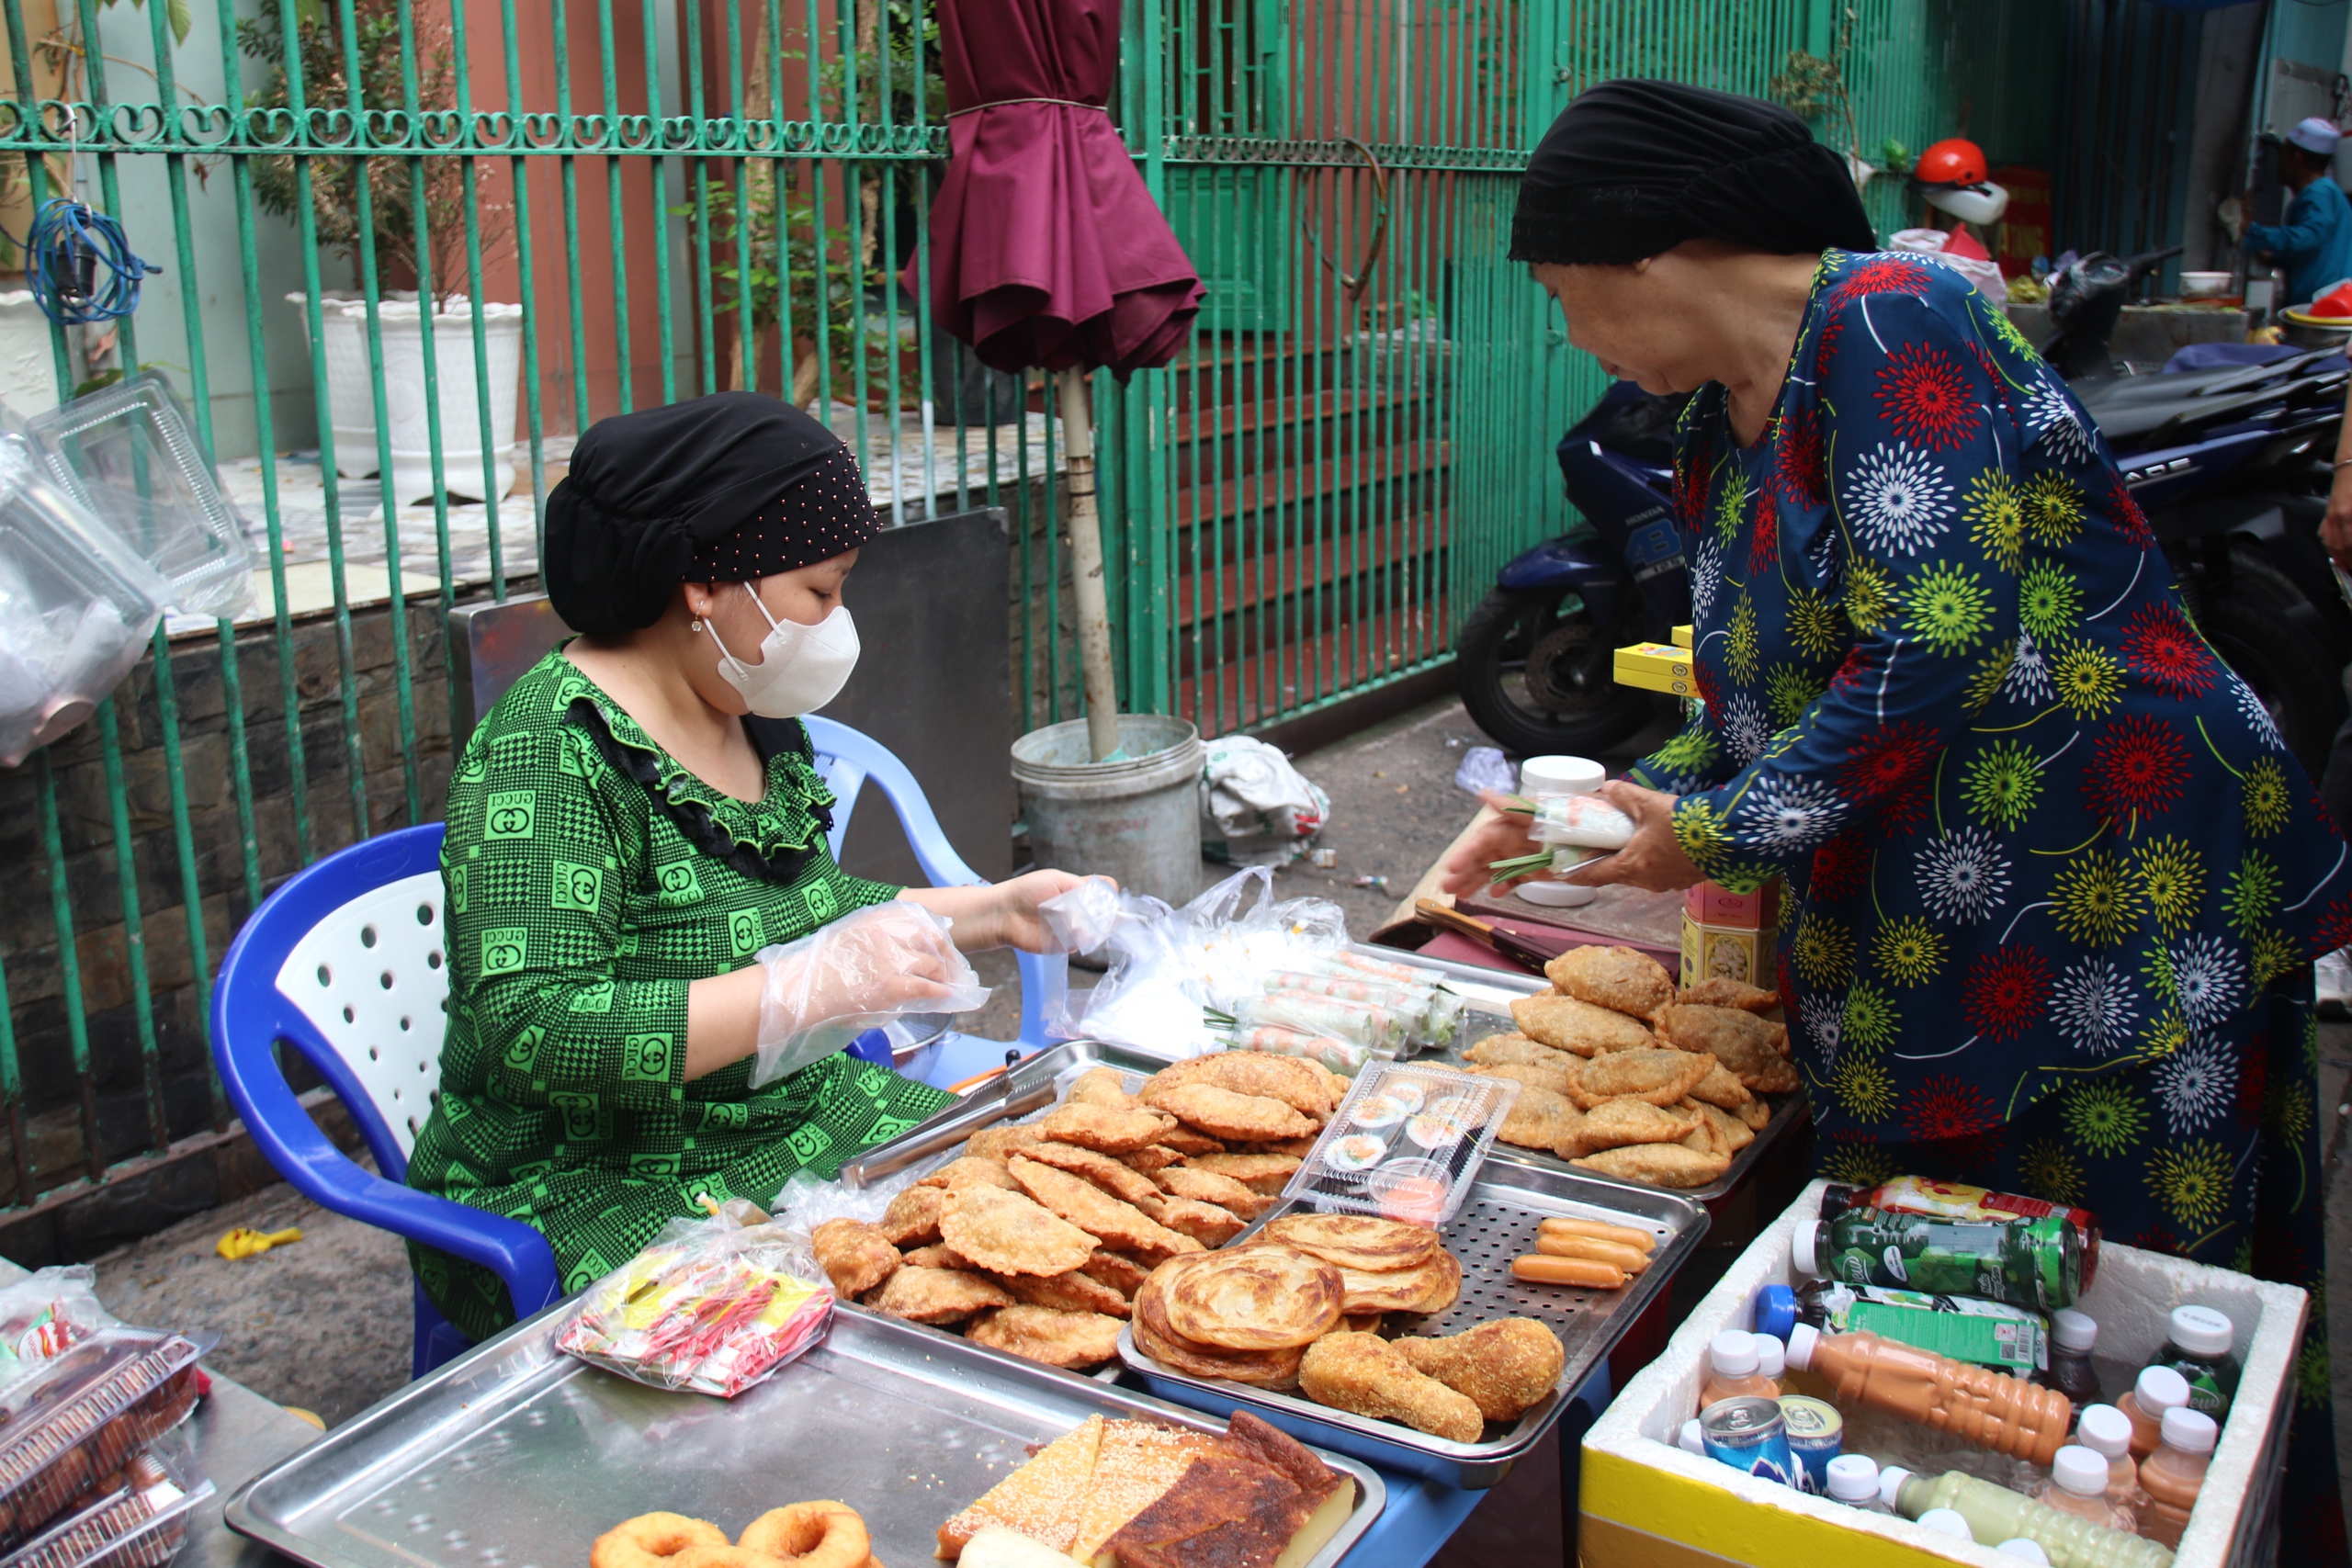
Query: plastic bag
862, 971
75, 606
1263, 810
711, 1306
44, 1314
1930, 242
1081, 919
1169, 966
1483, 768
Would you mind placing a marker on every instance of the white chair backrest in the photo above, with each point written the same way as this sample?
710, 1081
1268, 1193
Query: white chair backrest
374, 977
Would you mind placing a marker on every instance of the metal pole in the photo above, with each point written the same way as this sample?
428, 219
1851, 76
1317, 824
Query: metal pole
1086, 567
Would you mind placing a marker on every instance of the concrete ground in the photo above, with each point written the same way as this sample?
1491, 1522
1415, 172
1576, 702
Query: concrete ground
324, 1323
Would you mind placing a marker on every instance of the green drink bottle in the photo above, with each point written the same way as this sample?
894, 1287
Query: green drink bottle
2034, 1263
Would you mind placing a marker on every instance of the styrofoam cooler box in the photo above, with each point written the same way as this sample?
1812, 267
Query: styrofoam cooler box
1646, 1503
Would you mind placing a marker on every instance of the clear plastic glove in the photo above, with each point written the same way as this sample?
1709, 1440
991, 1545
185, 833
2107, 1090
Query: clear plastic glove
1080, 920
864, 971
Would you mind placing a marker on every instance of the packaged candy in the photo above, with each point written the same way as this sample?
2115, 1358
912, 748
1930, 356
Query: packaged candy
90, 1411
711, 1306
1406, 1143
48, 1312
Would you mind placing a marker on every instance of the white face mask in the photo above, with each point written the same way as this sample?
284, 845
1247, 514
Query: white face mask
802, 668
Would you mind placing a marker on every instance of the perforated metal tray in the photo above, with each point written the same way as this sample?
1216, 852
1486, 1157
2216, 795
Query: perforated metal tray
517, 1456
1480, 1021
1497, 1225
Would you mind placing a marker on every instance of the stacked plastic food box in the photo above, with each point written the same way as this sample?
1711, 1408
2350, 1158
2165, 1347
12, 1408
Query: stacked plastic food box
93, 1472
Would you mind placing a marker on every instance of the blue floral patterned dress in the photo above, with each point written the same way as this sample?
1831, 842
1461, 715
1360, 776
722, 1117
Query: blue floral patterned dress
2055, 881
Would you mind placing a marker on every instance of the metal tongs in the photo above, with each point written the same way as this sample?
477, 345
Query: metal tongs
1001, 1096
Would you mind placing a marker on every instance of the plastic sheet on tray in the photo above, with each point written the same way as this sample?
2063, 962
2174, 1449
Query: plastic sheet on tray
85, 1416
1406, 1143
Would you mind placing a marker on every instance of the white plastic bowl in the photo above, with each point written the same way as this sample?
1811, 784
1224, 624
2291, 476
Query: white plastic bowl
2204, 284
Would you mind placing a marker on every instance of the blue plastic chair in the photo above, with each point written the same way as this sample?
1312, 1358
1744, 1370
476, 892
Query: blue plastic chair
345, 964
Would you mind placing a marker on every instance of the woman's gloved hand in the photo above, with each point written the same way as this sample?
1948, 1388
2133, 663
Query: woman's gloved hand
862, 971
1022, 922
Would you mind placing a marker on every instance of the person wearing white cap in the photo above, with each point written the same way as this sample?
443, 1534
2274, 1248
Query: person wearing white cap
2315, 241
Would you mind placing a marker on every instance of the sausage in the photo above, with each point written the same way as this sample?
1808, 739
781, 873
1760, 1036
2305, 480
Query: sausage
1633, 1260
1545, 1271
1625, 1235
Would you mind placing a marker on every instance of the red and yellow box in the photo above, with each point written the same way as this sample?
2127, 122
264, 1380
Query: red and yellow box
1711, 906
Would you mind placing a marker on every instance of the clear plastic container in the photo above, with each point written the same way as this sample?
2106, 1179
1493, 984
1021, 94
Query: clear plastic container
128, 454
139, 1523
1406, 1143
85, 1417
75, 606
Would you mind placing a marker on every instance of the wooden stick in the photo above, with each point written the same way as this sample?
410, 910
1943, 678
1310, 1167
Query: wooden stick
1086, 566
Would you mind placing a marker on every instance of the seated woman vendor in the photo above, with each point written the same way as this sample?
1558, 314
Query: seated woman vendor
626, 856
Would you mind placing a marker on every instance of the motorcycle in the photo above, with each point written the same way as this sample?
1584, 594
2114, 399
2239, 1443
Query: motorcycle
1536, 660
2230, 466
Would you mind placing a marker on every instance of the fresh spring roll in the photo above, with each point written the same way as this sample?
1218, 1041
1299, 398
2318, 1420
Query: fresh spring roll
1367, 1024
1430, 1013
1339, 1056
1398, 974
1582, 820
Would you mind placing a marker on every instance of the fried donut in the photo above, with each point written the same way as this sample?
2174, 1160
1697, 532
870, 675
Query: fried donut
719, 1557
823, 1534
653, 1540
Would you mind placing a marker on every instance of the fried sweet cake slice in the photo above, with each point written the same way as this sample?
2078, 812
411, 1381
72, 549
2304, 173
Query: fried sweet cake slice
1045, 1499
1252, 1503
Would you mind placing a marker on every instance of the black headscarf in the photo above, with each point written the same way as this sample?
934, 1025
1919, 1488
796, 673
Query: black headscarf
1634, 168
724, 488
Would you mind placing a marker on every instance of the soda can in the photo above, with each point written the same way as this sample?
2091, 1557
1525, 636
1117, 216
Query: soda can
1748, 1434
1816, 1433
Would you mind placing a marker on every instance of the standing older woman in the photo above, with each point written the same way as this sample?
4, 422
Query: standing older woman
632, 868
2055, 881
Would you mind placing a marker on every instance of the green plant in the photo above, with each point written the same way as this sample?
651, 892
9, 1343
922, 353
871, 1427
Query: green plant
1813, 85
815, 259
324, 55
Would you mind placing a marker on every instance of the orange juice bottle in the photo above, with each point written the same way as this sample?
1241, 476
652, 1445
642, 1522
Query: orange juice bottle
2174, 1472
2159, 1388
1990, 1409
1734, 1370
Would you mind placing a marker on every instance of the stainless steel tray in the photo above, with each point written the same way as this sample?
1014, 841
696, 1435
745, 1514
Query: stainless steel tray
517, 1456
1496, 1225
1478, 1022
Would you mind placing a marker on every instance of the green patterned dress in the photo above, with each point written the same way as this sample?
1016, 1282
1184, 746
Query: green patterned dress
591, 879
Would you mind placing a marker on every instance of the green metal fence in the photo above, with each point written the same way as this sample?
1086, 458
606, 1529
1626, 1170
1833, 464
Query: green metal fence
680, 196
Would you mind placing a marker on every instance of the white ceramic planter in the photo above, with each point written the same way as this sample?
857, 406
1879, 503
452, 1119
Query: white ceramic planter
351, 400
28, 371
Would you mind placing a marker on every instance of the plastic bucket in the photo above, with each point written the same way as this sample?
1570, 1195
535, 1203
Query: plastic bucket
1137, 820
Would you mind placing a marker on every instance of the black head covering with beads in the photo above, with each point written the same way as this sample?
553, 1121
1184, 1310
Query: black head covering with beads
728, 487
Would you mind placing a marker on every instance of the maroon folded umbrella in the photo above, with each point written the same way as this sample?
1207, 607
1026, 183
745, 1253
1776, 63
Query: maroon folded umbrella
1047, 249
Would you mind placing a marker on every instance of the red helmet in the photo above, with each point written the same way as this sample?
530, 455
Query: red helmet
1952, 162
